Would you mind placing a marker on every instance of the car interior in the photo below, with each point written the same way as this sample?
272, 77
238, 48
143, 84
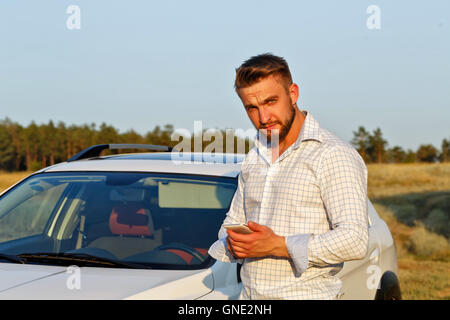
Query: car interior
131, 222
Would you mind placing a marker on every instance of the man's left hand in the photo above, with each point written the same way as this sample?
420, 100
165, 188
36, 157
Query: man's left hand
260, 243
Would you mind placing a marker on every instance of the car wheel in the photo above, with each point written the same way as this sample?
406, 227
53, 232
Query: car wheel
389, 287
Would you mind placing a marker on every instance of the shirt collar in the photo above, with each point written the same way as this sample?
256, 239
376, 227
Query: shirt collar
310, 130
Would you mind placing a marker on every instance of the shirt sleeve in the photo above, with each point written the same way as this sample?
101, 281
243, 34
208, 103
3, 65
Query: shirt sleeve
297, 247
218, 249
343, 184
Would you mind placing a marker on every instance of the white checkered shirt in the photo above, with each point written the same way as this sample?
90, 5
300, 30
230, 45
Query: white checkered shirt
315, 195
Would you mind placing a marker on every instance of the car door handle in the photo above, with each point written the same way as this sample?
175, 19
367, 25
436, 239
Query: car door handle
374, 255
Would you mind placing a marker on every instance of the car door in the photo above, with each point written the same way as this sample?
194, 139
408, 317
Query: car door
227, 283
360, 278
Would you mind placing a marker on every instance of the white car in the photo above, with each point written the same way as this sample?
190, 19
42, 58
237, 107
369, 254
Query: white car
138, 226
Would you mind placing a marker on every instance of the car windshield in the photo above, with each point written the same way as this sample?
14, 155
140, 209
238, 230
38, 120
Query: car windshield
145, 219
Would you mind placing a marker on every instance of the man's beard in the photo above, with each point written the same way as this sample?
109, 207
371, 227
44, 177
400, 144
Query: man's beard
282, 132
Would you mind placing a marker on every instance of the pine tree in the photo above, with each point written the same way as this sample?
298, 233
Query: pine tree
445, 155
361, 142
7, 152
377, 146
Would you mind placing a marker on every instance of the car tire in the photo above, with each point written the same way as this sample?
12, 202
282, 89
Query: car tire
389, 287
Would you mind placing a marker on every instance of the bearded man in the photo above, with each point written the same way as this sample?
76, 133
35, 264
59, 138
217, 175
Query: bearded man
301, 190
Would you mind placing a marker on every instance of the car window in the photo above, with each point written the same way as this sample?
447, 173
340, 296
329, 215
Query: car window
162, 220
193, 194
29, 211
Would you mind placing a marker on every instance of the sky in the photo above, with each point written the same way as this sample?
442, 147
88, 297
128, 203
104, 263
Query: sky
139, 64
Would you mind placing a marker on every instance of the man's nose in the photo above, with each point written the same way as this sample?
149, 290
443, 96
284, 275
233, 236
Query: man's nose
264, 116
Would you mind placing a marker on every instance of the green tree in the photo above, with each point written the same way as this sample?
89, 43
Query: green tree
410, 156
62, 151
445, 154
15, 132
7, 152
31, 141
377, 146
107, 134
427, 153
160, 136
165, 135
48, 143
361, 142
396, 155
131, 136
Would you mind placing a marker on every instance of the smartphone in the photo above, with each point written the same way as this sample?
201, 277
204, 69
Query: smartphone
239, 228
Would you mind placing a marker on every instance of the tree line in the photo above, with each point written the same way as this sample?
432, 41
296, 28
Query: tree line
373, 148
36, 146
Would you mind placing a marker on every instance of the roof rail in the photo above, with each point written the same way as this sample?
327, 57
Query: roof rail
94, 151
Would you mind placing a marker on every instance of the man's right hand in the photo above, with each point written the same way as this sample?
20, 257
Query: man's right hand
230, 247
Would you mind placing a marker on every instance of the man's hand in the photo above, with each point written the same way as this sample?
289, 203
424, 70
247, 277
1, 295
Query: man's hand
262, 242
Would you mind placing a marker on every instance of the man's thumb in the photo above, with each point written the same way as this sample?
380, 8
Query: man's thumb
254, 226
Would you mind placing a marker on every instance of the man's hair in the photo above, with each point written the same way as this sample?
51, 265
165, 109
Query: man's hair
260, 67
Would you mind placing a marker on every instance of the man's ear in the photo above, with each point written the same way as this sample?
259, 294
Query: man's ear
294, 93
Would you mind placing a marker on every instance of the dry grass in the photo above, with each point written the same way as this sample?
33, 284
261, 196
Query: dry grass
9, 178
398, 179
404, 194
424, 280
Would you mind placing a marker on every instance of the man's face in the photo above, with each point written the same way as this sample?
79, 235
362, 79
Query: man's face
270, 106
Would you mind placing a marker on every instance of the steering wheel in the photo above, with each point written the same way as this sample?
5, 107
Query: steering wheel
182, 247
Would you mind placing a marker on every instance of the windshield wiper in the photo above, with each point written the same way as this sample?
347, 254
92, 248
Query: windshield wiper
73, 258
11, 258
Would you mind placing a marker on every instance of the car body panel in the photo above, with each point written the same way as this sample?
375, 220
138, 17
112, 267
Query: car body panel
31, 282
226, 285
13, 275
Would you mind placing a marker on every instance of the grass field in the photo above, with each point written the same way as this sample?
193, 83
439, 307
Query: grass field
414, 200
7, 178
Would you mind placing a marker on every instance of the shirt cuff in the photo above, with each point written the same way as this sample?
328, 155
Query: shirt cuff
297, 247
219, 251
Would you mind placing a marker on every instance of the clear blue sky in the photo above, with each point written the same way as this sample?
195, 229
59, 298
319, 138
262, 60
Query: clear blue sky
138, 64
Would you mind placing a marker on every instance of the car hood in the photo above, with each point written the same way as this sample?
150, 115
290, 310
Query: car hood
25, 282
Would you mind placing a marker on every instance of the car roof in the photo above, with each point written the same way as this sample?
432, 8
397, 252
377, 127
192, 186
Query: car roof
211, 164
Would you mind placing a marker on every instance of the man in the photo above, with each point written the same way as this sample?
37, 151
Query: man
301, 190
